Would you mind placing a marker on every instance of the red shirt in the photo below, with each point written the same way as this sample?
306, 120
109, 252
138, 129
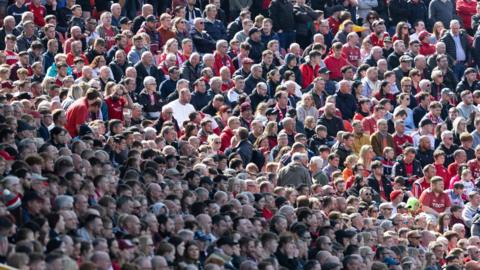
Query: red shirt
71, 58
352, 54
399, 141
369, 124
427, 49
376, 40
38, 14
453, 168
335, 65
474, 167
115, 108
77, 114
11, 57
442, 172
109, 37
438, 202
419, 186
308, 74
334, 24
220, 62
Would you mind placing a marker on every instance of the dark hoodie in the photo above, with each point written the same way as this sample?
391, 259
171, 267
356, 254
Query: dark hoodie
296, 70
346, 104
256, 98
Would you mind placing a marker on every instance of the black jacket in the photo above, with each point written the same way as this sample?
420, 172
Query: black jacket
343, 154
425, 157
203, 42
417, 12
304, 16
463, 85
251, 83
400, 170
281, 12
448, 153
190, 73
142, 73
333, 125
255, 50
118, 70
450, 44
256, 98
387, 185
418, 113
200, 100
346, 104
148, 107
398, 10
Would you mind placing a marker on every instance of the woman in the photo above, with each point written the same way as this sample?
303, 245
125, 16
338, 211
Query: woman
437, 31
438, 133
416, 77
180, 27
260, 112
459, 126
357, 89
437, 84
361, 72
366, 158
222, 116
98, 62
75, 92
271, 129
306, 107
443, 222
368, 23
273, 81
171, 46
401, 33
384, 92
365, 49
403, 100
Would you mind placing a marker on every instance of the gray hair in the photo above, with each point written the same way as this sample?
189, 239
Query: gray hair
446, 133
63, 202
149, 80
299, 157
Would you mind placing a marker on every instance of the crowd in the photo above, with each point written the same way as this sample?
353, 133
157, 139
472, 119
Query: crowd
240, 134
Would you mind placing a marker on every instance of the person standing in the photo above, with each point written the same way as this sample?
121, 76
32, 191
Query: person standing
281, 12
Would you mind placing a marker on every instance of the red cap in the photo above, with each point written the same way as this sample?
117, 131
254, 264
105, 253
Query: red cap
395, 194
6, 155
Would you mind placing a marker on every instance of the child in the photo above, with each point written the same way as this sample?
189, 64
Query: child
387, 161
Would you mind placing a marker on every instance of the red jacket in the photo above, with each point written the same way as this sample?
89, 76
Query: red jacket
375, 40
465, 10
39, 14
77, 114
220, 62
426, 49
335, 65
309, 73
226, 137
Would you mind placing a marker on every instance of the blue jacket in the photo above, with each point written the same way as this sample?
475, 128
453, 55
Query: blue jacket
216, 29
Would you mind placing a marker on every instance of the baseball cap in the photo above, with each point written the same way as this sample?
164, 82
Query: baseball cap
151, 18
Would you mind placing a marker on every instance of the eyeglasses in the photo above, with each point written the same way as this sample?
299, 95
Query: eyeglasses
406, 85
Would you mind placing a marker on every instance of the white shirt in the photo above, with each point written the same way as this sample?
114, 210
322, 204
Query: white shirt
180, 111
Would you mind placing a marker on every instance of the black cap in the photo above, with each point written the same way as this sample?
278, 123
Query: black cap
324, 70
22, 126
292, 112
345, 234
151, 18
172, 156
31, 196
226, 240
253, 31
124, 20
271, 111
425, 122
206, 180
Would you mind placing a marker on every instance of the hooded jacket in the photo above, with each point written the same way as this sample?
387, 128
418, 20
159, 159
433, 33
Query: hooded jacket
294, 174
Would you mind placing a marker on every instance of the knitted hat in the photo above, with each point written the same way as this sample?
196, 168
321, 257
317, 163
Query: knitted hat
395, 194
11, 200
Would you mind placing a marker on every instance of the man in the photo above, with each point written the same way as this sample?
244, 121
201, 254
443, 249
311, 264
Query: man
120, 44
137, 50
200, 97
381, 139
221, 58
448, 75
393, 59
423, 183
379, 182
8, 28
168, 86
469, 81
281, 13
408, 167
146, 67
181, 106
345, 101
295, 173
400, 139
309, 70
332, 166
403, 69
119, 65
345, 148
422, 108
330, 120
466, 107
434, 201
149, 27
456, 42
203, 42
256, 46
291, 63
24, 41
424, 151
164, 30
80, 111
215, 28
315, 167
443, 11
471, 208
370, 82
370, 123
378, 35
318, 92
335, 61
259, 95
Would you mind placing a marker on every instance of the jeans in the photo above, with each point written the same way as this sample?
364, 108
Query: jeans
286, 38
458, 70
